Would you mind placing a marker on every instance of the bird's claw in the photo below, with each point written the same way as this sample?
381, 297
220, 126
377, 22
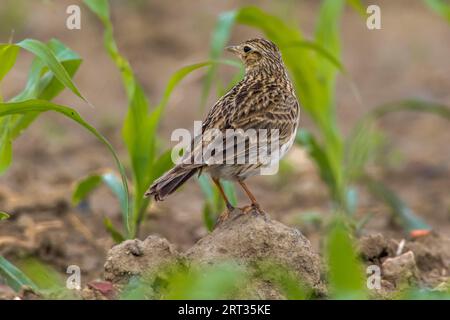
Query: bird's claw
247, 209
222, 218
254, 207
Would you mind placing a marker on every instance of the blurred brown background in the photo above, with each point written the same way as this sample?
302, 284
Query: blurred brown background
408, 57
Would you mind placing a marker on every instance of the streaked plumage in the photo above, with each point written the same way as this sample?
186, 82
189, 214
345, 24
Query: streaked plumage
263, 99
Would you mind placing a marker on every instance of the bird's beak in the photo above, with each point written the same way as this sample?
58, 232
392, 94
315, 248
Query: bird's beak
232, 49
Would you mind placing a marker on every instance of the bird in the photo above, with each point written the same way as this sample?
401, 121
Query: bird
263, 99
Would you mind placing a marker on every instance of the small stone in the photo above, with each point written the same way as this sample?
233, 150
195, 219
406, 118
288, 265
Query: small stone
136, 257
104, 287
401, 268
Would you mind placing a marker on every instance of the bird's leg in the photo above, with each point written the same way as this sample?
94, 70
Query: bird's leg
230, 208
255, 204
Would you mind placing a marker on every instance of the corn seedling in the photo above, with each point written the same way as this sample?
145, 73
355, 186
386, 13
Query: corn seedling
139, 133
14, 277
441, 7
346, 278
51, 71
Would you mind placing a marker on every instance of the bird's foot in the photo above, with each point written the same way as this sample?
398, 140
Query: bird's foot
252, 208
224, 216
247, 209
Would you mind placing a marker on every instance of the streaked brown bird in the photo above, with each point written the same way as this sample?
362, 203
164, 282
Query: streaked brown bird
263, 99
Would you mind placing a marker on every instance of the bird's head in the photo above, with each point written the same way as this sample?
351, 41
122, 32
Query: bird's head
256, 52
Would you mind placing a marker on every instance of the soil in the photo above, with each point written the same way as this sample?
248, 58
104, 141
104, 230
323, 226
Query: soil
407, 58
248, 239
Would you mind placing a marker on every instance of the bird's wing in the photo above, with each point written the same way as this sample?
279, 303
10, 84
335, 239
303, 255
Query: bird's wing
253, 107
265, 107
215, 119
219, 114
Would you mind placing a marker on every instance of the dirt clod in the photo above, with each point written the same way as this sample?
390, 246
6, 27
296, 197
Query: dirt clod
134, 257
375, 247
249, 239
400, 269
245, 239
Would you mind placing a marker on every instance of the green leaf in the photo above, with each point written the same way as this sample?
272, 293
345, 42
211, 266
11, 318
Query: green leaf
209, 216
69, 59
115, 234
358, 7
363, 145
230, 192
441, 7
218, 281
210, 207
36, 105
220, 37
115, 185
181, 73
8, 55
410, 105
328, 36
365, 140
405, 216
140, 126
161, 165
101, 9
86, 185
44, 276
346, 277
140, 133
138, 288
214, 204
315, 151
314, 46
3, 215
222, 90
207, 189
288, 282
5, 148
15, 278
44, 53
41, 84
137, 132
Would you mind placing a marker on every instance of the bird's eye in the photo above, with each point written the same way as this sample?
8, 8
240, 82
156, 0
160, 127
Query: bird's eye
247, 49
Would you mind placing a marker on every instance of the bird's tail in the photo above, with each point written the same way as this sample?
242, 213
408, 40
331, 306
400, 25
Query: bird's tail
169, 182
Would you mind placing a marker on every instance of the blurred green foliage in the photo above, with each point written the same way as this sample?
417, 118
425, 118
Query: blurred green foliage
3, 215
441, 7
51, 71
345, 275
139, 132
214, 203
223, 280
14, 277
